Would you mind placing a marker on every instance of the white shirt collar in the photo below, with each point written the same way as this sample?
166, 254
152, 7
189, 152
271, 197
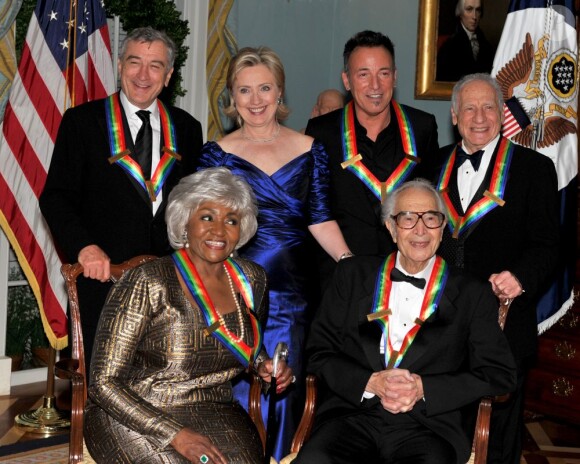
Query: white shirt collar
131, 109
424, 274
492, 143
487, 152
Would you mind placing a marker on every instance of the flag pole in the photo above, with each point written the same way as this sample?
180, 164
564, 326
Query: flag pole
47, 419
76, 63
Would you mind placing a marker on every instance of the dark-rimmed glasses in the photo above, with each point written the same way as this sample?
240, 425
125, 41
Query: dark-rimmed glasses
409, 219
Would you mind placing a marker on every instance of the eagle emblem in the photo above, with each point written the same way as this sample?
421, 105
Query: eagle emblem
541, 84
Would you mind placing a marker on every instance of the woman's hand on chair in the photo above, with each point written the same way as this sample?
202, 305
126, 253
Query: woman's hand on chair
284, 377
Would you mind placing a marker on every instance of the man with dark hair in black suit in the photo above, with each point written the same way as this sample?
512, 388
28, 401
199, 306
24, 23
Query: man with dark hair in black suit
400, 344
114, 163
373, 144
502, 209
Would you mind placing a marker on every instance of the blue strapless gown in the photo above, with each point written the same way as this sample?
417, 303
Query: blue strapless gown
289, 200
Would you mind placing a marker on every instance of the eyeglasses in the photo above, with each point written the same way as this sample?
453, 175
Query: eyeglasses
409, 219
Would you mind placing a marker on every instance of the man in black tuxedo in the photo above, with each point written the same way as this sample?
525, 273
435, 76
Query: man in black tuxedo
467, 50
102, 200
502, 208
379, 401
375, 129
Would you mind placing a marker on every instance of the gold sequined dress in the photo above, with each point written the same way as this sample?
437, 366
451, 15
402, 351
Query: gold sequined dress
155, 372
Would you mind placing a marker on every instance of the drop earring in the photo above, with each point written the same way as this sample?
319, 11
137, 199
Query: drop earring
184, 237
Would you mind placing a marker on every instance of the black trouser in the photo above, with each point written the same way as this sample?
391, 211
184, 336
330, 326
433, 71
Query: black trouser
367, 438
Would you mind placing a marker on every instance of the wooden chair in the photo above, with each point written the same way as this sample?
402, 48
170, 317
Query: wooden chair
255, 407
480, 438
74, 368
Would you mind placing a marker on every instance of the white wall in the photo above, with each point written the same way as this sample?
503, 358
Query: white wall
309, 36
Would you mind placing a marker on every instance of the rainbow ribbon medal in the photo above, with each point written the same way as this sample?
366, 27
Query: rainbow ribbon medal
121, 155
380, 312
244, 353
492, 197
353, 159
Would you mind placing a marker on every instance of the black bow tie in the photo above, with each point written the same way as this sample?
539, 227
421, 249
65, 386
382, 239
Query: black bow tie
398, 276
475, 157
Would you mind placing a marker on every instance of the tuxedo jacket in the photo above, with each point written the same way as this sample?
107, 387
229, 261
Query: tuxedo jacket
521, 237
86, 200
352, 204
455, 57
459, 352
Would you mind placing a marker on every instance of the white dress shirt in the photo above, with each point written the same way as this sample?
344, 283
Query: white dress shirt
135, 124
405, 302
468, 179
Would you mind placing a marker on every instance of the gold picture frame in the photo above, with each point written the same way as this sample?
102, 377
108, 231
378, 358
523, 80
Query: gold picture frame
426, 87
436, 21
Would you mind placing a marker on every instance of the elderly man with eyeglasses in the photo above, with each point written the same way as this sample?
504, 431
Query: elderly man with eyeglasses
400, 344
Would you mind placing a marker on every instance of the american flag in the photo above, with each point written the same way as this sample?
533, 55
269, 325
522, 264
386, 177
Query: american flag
65, 61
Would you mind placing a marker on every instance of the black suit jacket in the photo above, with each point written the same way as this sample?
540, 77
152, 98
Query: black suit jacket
86, 200
355, 208
460, 352
455, 57
521, 237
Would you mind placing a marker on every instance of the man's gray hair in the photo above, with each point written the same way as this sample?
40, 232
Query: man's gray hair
461, 5
148, 35
484, 77
388, 206
217, 185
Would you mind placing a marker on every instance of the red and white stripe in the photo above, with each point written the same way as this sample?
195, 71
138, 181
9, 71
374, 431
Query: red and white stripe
510, 125
38, 99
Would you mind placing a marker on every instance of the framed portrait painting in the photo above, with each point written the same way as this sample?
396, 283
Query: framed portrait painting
441, 28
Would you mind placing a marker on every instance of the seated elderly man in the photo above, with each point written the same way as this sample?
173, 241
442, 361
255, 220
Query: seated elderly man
401, 344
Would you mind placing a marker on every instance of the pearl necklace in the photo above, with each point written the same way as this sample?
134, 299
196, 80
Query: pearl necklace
270, 139
239, 311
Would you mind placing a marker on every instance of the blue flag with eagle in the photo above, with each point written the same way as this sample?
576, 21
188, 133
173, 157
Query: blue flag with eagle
536, 67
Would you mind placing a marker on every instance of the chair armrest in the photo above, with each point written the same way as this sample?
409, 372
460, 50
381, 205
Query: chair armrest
307, 421
481, 437
255, 406
67, 369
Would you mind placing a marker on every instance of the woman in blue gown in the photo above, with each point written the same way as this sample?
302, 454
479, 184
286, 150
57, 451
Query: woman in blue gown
289, 174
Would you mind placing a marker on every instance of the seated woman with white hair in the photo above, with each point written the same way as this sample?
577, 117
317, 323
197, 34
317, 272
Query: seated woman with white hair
175, 331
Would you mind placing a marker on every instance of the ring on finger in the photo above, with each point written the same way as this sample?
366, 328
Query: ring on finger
203, 459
